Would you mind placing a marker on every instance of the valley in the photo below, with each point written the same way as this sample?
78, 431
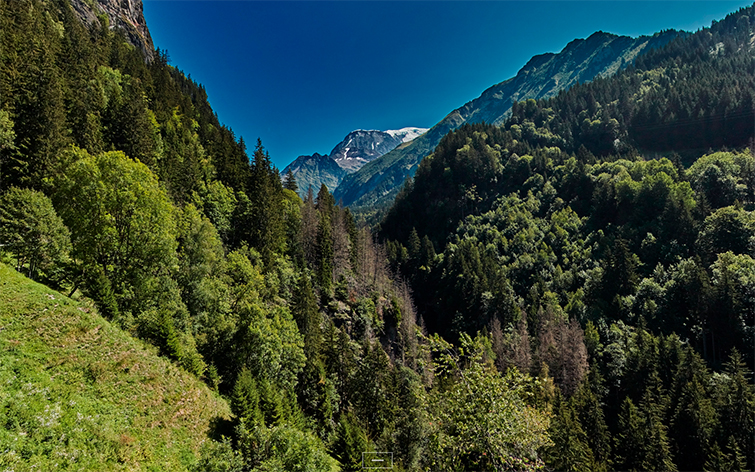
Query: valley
559, 275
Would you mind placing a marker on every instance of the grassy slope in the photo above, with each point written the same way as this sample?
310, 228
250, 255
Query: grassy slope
79, 394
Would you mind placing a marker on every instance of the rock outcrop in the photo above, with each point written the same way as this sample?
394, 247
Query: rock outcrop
126, 16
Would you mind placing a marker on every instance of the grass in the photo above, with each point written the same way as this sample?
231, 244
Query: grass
77, 393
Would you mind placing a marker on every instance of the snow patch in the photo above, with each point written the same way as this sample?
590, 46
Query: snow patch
406, 134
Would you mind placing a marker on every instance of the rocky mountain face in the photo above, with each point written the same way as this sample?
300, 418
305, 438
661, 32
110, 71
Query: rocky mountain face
602, 54
361, 147
126, 16
357, 149
313, 171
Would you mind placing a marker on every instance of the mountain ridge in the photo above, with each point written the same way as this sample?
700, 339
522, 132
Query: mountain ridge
358, 148
543, 76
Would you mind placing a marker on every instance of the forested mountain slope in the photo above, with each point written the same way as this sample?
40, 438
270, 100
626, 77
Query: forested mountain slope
582, 60
575, 235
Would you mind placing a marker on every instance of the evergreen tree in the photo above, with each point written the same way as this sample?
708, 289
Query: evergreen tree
570, 451
734, 401
694, 418
325, 254
265, 194
290, 182
351, 443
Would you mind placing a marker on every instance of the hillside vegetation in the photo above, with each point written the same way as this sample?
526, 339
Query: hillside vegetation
79, 394
599, 302
605, 237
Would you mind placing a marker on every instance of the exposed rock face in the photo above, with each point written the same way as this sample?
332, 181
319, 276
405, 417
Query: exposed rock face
357, 148
582, 60
313, 171
362, 146
126, 16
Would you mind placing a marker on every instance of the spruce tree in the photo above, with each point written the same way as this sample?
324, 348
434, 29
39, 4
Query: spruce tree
289, 182
570, 451
325, 254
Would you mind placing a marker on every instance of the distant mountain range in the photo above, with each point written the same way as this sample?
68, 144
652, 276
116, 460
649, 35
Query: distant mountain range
357, 149
582, 60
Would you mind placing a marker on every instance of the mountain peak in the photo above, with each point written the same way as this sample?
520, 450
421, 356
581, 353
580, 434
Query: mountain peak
357, 149
362, 146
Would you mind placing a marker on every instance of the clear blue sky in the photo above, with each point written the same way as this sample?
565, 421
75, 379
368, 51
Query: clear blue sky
301, 75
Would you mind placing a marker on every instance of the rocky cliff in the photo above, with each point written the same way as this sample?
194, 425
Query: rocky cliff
362, 146
313, 171
126, 16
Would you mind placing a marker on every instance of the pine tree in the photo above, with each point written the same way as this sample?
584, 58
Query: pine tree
351, 443
694, 418
245, 398
735, 404
325, 254
656, 451
587, 404
264, 222
630, 438
289, 182
570, 451
305, 311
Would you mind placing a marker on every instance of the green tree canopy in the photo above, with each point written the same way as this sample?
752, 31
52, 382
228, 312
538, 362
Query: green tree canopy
32, 232
481, 420
121, 220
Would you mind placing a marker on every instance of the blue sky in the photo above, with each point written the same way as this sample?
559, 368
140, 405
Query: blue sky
301, 75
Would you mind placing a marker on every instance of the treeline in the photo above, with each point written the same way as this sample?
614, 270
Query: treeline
693, 94
623, 278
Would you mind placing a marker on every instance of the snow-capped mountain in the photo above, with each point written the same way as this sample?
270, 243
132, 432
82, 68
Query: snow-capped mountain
362, 146
357, 149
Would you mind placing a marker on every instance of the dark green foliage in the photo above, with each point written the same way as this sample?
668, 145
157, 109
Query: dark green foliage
325, 253
734, 400
245, 399
351, 443
99, 288
258, 219
570, 451
588, 407
694, 419
642, 441
32, 91
33, 233
290, 182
